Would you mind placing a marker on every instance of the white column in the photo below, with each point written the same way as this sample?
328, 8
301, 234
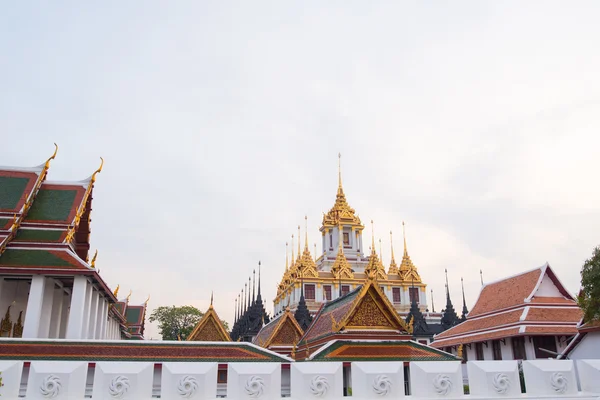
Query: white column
64, 316
101, 325
93, 314
86, 310
77, 311
44, 330
57, 308
33, 313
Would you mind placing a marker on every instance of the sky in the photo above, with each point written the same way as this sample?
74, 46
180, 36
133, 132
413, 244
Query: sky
475, 122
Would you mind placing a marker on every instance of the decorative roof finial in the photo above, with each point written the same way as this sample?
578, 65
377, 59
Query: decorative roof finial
315, 253
380, 251
147, 300
98, 170
93, 263
404, 234
116, 292
129, 296
211, 299
258, 279
52, 157
481, 276
432, 305
253, 285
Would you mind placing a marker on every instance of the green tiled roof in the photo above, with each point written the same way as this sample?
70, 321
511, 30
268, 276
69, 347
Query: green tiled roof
52, 205
133, 314
38, 235
32, 258
11, 190
4, 222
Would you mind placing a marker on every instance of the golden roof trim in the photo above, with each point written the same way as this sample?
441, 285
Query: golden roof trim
210, 314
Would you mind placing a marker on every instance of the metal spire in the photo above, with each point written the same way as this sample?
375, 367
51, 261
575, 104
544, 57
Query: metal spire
253, 285
432, 305
481, 276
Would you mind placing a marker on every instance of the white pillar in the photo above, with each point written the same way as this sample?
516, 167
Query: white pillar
93, 314
47, 305
86, 310
57, 308
33, 313
100, 326
77, 311
64, 316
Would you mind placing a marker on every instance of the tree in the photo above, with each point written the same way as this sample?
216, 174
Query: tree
176, 323
589, 296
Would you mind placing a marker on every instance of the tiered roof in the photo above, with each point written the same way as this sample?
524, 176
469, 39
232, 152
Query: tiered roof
44, 226
531, 303
281, 334
366, 309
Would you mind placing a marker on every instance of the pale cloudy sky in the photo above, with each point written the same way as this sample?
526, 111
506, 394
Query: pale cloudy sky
476, 122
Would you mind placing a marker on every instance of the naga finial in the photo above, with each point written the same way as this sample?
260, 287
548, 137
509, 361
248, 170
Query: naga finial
116, 292
128, 296
93, 263
98, 170
52, 157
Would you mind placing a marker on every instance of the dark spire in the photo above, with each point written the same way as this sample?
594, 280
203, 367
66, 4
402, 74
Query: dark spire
253, 285
249, 283
432, 305
481, 276
465, 310
244, 290
420, 327
235, 312
450, 318
302, 314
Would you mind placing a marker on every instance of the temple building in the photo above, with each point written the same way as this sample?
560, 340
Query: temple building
310, 281
524, 317
210, 328
250, 313
49, 287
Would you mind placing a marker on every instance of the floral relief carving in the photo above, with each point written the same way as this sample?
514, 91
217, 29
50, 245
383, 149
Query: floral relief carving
501, 383
51, 386
442, 384
319, 386
118, 387
382, 385
187, 386
559, 382
254, 387
368, 314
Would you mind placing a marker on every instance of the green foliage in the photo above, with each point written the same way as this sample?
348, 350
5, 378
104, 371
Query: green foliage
589, 297
466, 389
177, 323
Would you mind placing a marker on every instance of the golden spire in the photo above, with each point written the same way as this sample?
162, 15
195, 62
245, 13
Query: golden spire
407, 268
315, 253
374, 268
340, 189
93, 263
393, 267
292, 249
372, 238
286, 257
211, 299
404, 234
380, 251
52, 157
305, 232
128, 296
116, 292
340, 265
299, 252
147, 300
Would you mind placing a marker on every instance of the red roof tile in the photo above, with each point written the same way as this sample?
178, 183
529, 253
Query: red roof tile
484, 323
506, 293
482, 337
551, 330
552, 314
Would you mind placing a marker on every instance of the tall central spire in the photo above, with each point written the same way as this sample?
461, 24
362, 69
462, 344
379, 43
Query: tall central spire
393, 270
340, 189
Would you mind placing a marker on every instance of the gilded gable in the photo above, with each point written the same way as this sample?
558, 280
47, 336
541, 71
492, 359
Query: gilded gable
368, 314
288, 335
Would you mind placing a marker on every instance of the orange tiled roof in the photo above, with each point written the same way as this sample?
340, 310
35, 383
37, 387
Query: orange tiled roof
484, 323
438, 344
551, 330
571, 314
506, 293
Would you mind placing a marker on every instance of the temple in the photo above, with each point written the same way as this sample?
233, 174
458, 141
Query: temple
309, 282
210, 328
49, 286
524, 317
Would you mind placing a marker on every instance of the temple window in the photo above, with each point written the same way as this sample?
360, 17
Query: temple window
330, 242
346, 239
327, 292
496, 350
396, 295
518, 346
309, 291
479, 351
546, 343
345, 290
413, 293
